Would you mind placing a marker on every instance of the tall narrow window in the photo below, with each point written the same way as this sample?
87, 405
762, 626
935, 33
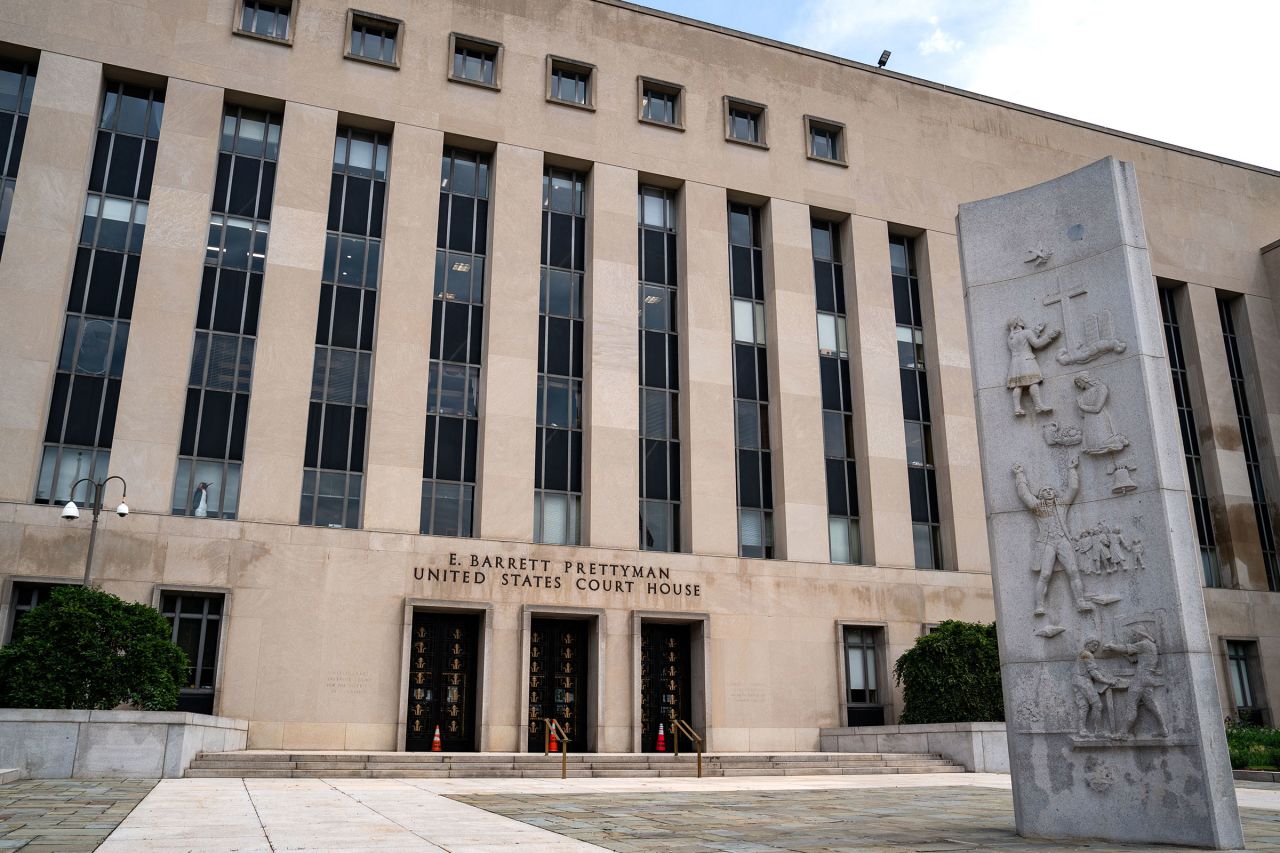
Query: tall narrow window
750, 383
1249, 442
212, 443
24, 597
558, 452
195, 621
457, 326
86, 387
17, 81
837, 397
1190, 440
332, 479
921, 477
659, 373
864, 705
1245, 674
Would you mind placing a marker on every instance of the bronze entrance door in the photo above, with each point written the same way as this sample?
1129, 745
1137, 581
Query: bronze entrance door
558, 670
665, 681
443, 650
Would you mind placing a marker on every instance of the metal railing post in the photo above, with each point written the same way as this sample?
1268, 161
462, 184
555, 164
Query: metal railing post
549, 724
678, 726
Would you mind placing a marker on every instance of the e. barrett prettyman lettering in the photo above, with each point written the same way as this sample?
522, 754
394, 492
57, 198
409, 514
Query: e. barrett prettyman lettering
537, 573
535, 564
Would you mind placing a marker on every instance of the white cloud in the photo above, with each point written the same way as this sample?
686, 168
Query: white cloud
829, 24
939, 42
1192, 73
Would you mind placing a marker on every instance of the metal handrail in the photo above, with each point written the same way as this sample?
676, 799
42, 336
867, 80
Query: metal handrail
550, 724
678, 726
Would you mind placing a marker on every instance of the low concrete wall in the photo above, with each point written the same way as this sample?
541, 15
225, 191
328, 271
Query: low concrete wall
1255, 776
57, 744
980, 747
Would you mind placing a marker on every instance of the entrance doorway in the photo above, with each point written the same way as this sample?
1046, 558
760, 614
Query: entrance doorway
443, 653
665, 680
559, 668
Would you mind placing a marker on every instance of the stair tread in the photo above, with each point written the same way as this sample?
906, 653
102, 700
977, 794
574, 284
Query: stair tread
515, 765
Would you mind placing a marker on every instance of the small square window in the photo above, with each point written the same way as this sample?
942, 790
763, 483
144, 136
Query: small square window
271, 20
570, 82
476, 61
824, 140
661, 103
374, 38
744, 121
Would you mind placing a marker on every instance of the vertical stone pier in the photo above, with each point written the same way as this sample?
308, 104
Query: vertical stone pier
1115, 730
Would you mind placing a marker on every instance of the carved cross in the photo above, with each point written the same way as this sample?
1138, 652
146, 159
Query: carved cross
1065, 297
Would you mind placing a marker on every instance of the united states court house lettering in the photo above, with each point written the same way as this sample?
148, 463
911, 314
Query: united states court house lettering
469, 369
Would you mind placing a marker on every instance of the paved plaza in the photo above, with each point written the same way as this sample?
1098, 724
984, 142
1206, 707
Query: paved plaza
65, 816
743, 815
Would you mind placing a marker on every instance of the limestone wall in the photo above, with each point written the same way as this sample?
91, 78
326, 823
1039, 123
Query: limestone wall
315, 653
65, 744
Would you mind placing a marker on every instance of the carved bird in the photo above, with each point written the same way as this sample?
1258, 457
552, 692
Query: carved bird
1038, 255
1067, 436
1050, 631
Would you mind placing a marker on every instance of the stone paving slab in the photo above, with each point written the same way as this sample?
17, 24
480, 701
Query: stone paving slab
815, 814
918, 820
65, 815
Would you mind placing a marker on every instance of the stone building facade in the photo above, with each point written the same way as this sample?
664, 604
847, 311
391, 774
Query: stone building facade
572, 264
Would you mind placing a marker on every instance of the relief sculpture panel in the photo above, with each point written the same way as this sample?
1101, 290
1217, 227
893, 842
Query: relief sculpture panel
1114, 723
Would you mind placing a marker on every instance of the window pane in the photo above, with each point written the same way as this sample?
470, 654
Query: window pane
656, 407
743, 314
856, 669
833, 440
827, 342
922, 539
838, 533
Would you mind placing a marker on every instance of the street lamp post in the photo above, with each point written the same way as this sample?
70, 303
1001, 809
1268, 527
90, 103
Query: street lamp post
71, 512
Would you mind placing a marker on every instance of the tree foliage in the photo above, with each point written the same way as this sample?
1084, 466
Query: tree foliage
88, 649
952, 676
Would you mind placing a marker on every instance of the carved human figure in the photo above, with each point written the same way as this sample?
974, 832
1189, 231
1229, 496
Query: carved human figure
1142, 651
1024, 370
1119, 550
1088, 681
1100, 436
1101, 548
1054, 546
1087, 547
1139, 552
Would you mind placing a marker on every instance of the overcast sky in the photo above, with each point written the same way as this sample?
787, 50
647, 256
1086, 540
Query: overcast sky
1197, 73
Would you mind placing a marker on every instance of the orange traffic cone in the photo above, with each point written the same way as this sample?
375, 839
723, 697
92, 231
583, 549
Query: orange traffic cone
555, 742
435, 740
662, 739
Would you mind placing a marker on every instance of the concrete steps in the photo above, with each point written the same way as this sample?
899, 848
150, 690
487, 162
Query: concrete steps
262, 764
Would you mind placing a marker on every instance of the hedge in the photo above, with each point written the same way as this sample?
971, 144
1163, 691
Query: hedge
952, 675
88, 649
1253, 747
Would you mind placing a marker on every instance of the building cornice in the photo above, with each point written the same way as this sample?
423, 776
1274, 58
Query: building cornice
928, 84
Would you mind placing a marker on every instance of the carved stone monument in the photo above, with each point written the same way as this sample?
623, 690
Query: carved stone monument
1115, 729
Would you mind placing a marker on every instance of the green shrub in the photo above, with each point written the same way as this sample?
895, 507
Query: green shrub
1253, 747
952, 676
88, 649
